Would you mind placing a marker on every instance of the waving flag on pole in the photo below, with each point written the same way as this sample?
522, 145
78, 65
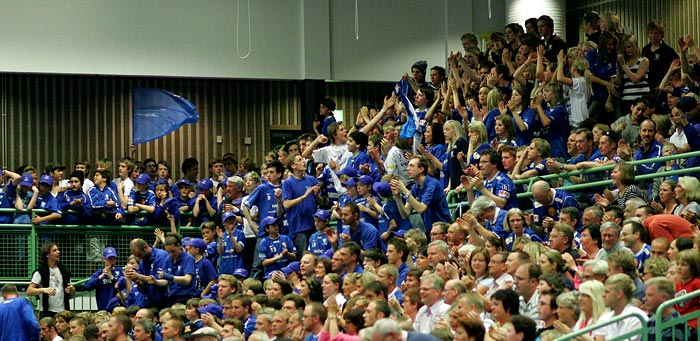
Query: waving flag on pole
409, 129
158, 113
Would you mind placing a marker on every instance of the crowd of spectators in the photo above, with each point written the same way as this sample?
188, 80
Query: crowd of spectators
346, 233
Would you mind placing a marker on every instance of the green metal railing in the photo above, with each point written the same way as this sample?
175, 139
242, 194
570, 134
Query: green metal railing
641, 333
81, 246
451, 195
695, 315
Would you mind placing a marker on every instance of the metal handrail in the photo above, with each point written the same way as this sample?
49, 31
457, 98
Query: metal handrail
451, 194
642, 332
660, 326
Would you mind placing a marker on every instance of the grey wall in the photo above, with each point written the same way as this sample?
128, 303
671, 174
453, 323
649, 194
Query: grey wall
288, 39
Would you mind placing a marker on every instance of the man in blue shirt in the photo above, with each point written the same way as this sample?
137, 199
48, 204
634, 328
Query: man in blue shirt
230, 245
493, 182
548, 202
353, 229
649, 148
151, 261
17, 319
141, 198
426, 196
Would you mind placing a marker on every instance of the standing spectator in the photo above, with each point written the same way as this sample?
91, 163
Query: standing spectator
104, 280
632, 71
75, 200
325, 116
105, 202
658, 53
52, 281
552, 43
151, 261
602, 64
17, 320
230, 244
299, 194
46, 201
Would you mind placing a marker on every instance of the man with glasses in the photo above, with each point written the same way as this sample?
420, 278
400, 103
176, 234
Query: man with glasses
526, 280
314, 318
493, 182
434, 308
439, 231
561, 239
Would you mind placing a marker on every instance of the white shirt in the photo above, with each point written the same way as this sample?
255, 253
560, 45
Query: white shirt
55, 282
426, 317
397, 164
621, 327
503, 282
339, 155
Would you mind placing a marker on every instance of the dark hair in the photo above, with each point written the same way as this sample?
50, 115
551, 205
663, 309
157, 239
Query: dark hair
354, 316
360, 139
438, 133
494, 158
378, 288
78, 174
510, 300
173, 239
106, 174
188, 164
46, 250
277, 165
547, 20
525, 325
554, 280
375, 255
315, 291
328, 103
400, 246
382, 307
594, 231
517, 29
354, 249
299, 302
284, 285
593, 19
439, 69
684, 243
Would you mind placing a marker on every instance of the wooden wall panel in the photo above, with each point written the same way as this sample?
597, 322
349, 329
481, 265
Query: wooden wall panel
680, 17
63, 118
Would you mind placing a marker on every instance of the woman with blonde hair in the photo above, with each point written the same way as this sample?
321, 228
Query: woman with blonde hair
591, 303
456, 139
478, 142
687, 193
632, 71
578, 87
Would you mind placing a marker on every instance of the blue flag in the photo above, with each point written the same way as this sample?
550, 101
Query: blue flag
409, 128
158, 113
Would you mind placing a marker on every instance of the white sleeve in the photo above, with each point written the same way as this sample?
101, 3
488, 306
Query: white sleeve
36, 278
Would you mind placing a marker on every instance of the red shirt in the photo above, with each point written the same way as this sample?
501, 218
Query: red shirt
691, 305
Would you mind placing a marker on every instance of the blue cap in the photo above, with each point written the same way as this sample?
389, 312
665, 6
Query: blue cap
400, 233
27, 180
161, 181
267, 221
382, 188
322, 214
205, 184
109, 252
184, 182
328, 254
198, 243
350, 182
143, 179
349, 171
186, 241
292, 267
240, 273
213, 309
172, 206
46, 179
366, 179
227, 215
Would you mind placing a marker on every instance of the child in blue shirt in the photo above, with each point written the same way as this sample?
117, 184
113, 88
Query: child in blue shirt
275, 250
46, 201
318, 242
230, 245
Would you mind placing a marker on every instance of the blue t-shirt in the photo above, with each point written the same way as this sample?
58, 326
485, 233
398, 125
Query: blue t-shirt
562, 199
503, 187
496, 226
602, 71
656, 150
523, 138
433, 195
264, 198
299, 217
47, 202
145, 198
318, 243
104, 288
365, 217
270, 248
527, 232
203, 215
204, 273
366, 236
158, 259
231, 260
184, 265
558, 131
